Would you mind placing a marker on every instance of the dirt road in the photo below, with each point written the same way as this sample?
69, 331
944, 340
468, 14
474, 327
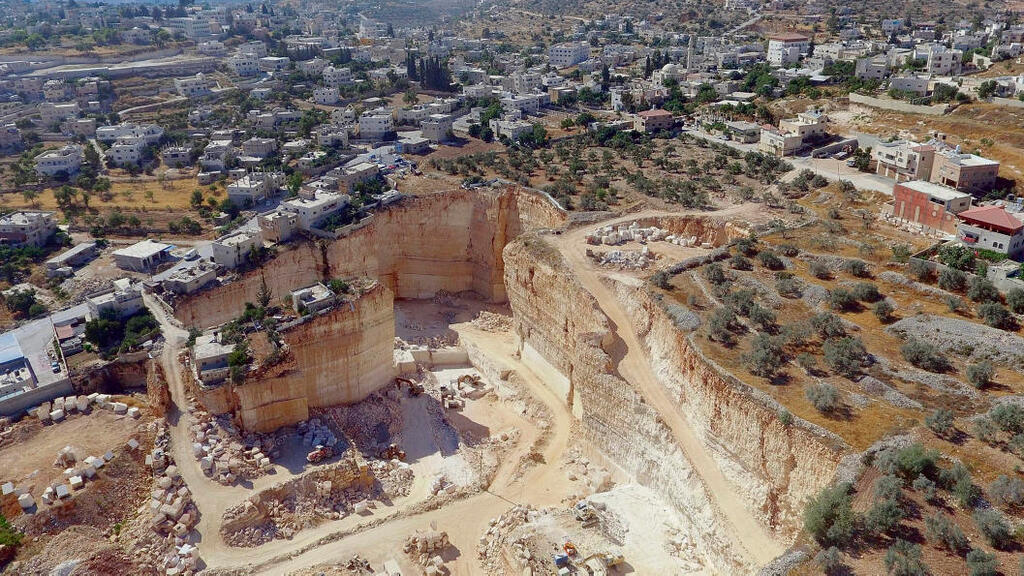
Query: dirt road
635, 368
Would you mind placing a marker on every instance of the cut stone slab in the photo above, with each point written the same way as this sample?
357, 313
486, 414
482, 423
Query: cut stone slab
57, 415
62, 491
26, 501
77, 482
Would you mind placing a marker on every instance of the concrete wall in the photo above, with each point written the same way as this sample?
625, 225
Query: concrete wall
897, 105
17, 405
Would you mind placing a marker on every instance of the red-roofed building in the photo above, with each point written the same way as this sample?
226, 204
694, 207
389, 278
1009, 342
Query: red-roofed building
651, 121
991, 228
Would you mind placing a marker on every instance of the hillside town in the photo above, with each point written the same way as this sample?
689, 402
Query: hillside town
485, 288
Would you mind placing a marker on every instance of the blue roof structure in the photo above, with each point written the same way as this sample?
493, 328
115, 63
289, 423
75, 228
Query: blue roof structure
10, 350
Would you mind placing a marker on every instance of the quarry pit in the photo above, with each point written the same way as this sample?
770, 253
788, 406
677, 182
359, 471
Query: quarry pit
578, 387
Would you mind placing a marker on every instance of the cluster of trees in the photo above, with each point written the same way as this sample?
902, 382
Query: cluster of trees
23, 304
432, 73
111, 334
830, 519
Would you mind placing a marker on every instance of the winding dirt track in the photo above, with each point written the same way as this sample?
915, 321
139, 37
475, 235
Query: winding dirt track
749, 534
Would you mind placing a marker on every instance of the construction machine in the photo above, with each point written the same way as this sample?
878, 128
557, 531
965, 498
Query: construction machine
319, 454
392, 452
415, 388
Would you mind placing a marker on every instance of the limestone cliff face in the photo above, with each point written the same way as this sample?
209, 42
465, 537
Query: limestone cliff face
560, 321
337, 357
449, 241
777, 467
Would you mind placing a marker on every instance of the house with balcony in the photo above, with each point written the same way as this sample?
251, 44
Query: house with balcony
992, 227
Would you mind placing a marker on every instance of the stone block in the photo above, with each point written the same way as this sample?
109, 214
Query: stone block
26, 501
77, 482
57, 415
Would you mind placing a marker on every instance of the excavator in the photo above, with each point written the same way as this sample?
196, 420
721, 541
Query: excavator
415, 388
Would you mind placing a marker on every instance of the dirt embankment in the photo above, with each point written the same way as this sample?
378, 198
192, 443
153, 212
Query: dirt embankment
559, 322
448, 241
777, 467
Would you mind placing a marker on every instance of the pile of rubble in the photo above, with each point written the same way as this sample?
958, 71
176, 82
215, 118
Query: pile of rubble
594, 478
59, 409
491, 322
425, 548
489, 548
614, 236
395, 477
315, 433
623, 259
223, 455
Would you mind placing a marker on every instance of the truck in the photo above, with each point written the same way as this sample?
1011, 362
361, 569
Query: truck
319, 454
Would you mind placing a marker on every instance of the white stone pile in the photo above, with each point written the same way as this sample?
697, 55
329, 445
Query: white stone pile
60, 408
315, 433
183, 560
395, 477
626, 259
425, 548
221, 455
76, 473
489, 548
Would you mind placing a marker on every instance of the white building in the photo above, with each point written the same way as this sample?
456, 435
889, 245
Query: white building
27, 228
149, 133
312, 206
253, 188
325, 96
568, 54
128, 150
785, 49
193, 86
943, 61
335, 77
376, 125
123, 301
275, 63
142, 256
278, 225
51, 114
232, 250
245, 64
437, 127
67, 160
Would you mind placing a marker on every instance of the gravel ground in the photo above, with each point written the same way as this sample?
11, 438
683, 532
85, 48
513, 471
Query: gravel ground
975, 342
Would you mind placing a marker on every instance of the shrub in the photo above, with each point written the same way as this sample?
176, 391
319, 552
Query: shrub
858, 268
789, 250
747, 246
1007, 491
1016, 444
715, 275
954, 303
830, 561
924, 355
807, 361
1008, 417
883, 311
900, 253
796, 334
770, 261
980, 374
785, 417
842, 300
985, 429
828, 325
952, 279
1015, 300
763, 317
740, 301
904, 559
889, 488
739, 262
765, 356
661, 279
844, 355
992, 526
925, 487
920, 269
943, 533
910, 462
788, 287
956, 256
940, 422
824, 397
883, 517
819, 270
982, 290
721, 325
866, 292
828, 516
997, 316
981, 563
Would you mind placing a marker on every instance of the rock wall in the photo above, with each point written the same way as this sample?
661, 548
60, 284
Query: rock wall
448, 241
777, 467
339, 357
559, 320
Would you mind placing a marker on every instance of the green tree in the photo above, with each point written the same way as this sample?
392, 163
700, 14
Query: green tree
829, 517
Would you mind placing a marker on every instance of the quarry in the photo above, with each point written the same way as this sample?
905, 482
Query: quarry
478, 382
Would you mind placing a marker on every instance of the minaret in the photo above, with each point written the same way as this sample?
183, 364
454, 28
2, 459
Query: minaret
689, 54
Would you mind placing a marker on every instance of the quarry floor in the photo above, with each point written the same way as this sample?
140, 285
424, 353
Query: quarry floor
543, 483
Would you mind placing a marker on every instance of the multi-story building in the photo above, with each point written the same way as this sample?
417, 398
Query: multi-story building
651, 121
255, 47
26, 228
910, 84
331, 135
786, 49
437, 127
51, 114
336, 77
127, 150
349, 176
278, 225
991, 228
233, 250
326, 96
312, 206
275, 63
193, 86
193, 28
150, 133
943, 61
928, 204
66, 160
376, 125
568, 54
176, 156
967, 172
123, 301
245, 63
259, 147
10, 136
794, 133
902, 160
254, 187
